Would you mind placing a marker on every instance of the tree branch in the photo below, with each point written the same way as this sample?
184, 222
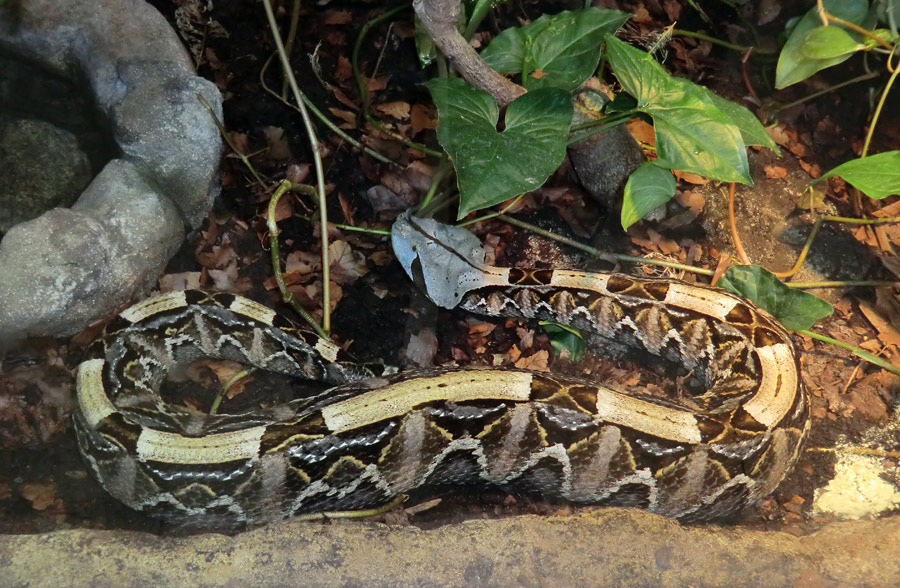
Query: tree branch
440, 17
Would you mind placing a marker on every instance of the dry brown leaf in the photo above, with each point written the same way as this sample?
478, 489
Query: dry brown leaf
345, 264
779, 134
538, 73
240, 142
226, 278
673, 9
892, 263
889, 210
537, 361
345, 115
666, 246
693, 201
41, 496
180, 281
775, 171
398, 109
377, 83
297, 173
690, 178
422, 347
872, 345
276, 141
342, 98
633, 379
797, 149
421, 118
302, 262
526, 337
887, 334
338, 17
811, 168
642, 132
514, 353
481, 329
343, 70
641, 15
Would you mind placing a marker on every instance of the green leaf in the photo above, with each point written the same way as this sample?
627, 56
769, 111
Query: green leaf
795, 309
506, 52
559, 51
692, 133
492, 166
793, 65
877, 176
565, 337
752, 131
828, 42
648, 186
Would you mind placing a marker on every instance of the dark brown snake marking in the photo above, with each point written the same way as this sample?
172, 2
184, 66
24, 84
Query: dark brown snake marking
368, 438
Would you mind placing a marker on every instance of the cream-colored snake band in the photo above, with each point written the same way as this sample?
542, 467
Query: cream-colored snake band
369, 438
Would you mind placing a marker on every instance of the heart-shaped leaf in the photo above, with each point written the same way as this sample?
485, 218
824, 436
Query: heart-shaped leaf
493, 166
692, 133
647, 187
560, 50
795, 309
794, 65
878, 176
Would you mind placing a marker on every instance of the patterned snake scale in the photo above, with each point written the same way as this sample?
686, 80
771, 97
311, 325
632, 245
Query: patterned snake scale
367, 438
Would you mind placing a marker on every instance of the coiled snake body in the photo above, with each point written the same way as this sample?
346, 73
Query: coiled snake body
369, 438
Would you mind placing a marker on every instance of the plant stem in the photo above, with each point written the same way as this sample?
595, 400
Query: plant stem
361, 83
862, 221
361, 229
354, 514
444, 166
860, 353
841, 284
881, 99
602, 254
588, 129
286, 294
803, 252
830, 89
244, 159
827, 17
482, 7
321, 116
721, 43
317, 160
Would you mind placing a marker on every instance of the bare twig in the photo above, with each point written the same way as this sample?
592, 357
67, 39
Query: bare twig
439, 17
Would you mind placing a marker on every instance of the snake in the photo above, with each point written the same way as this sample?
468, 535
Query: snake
368, 438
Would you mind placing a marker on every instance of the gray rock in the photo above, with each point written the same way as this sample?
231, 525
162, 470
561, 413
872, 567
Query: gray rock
53, 263
64, 269
603, 161
43, 167
114, 241
162, 127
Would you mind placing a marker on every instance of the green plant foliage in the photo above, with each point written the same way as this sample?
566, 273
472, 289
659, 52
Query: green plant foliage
564, 337
828, 43
692, 133
806, 51
559, 51
877, 176
493, 166
752, 131
648, 186
795, 309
